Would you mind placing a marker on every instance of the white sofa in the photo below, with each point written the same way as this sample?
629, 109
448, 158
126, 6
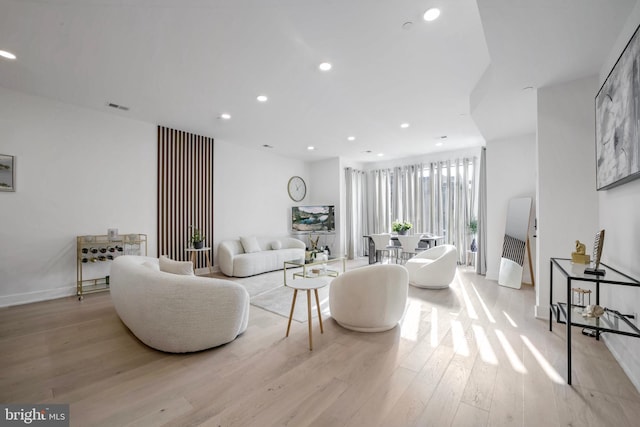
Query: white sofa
261, 255
371, 298
176, 313
434, 268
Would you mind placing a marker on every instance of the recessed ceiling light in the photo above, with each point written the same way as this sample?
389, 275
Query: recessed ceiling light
325, 66
431, 14
311, 148
407, 25
267, 146
438, 144
443, 137
7, 55
351, 138
225, 116
404, 125
527, 88
262, 98
380, 154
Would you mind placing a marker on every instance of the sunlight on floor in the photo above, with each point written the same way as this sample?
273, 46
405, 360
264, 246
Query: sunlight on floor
486, 351
460, 345
516, 363
471, 311
411, 322
484, 306
434, 327
544, 364
510, 319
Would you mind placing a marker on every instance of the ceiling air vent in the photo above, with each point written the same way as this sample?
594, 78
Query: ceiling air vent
119, 107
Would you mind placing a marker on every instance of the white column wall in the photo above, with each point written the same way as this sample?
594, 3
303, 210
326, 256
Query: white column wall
567, 201
325, 188
618, 209
511, 173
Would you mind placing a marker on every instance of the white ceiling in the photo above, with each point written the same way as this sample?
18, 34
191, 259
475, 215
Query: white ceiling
181, 63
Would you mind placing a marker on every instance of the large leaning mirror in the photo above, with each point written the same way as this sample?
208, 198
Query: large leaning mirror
515, 242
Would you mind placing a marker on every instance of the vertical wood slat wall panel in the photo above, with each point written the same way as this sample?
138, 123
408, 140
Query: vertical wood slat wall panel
185, 191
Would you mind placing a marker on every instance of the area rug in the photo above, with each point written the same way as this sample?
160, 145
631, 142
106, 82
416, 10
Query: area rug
268, 292
278, 301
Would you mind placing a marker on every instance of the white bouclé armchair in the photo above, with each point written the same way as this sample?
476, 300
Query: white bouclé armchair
434, 268
371, 298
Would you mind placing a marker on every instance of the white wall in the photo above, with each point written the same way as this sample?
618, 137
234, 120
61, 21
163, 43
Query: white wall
78, 172
618, 208
250, 196
567, 199
326, 185
511, 173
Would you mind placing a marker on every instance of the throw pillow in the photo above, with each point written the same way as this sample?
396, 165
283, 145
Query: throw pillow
151, 265
276, 244
168, 265
250, 244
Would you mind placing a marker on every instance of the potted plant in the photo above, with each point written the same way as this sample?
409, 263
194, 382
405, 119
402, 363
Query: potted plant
197, 238
401, 227
473, 228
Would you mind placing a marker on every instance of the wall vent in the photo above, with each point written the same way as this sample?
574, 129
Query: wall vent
119, 107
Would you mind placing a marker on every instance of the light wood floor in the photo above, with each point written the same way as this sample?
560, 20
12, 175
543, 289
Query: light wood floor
471, 355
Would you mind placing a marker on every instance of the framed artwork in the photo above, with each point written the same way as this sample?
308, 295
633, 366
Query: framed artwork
618, 120
7, 173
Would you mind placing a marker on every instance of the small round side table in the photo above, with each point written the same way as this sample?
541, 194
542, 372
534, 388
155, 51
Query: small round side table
306, 285
194, 254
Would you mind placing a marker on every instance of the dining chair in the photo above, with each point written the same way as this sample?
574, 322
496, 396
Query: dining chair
409, 245
381, 243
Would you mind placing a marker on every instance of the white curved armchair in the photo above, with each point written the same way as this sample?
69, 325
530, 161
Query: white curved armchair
434, 268
371, 298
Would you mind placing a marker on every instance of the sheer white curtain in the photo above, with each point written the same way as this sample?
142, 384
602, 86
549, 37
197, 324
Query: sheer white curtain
398, 195
356, 215
382, 209
481, 257
451, 195
411, 196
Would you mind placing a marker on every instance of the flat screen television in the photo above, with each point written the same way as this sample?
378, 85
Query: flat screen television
313, 219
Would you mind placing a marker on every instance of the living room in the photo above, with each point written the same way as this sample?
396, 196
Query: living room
83, 170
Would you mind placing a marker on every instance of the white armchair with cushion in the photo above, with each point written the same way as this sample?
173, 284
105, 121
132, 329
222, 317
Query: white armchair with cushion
371, 298
434, 268
176, 312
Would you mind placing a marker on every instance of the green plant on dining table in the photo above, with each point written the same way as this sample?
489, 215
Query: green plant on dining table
401, 226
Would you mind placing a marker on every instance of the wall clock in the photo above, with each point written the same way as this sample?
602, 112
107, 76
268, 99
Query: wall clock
297, 188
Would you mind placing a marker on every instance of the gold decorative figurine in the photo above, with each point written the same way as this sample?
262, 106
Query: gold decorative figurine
580, 256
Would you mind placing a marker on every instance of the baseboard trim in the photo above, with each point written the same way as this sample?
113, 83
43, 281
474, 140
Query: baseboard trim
541, 312
621, 361
36, 296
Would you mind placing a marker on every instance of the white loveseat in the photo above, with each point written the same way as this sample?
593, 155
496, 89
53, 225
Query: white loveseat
249, 256
176, 313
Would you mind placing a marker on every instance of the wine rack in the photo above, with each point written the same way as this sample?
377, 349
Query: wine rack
94, 256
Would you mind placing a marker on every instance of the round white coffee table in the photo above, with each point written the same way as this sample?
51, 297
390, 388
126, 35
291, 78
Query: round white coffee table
306, 285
